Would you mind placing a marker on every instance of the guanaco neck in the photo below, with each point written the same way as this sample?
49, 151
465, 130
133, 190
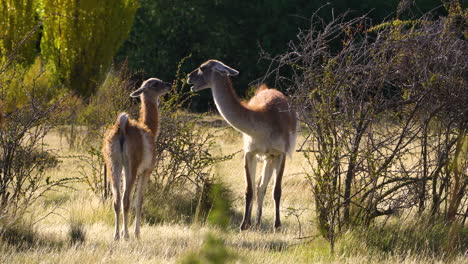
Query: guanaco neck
231, 108
149, 113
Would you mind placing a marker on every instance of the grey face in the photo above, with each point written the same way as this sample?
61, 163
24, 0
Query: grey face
197, 77
153, 85
201, 77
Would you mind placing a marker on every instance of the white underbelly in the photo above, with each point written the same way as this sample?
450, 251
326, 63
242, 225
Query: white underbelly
263, 146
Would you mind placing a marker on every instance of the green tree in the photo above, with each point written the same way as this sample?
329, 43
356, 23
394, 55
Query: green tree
18, 36
80, 38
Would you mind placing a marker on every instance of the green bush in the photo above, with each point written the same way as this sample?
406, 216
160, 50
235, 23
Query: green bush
25, 160
221, 207
19, 82
111, 98
213, 251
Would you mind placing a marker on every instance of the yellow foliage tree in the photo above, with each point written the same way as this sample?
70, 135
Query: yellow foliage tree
80, 38
18, 30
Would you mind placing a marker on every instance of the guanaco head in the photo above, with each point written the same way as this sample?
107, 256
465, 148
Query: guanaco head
202, 77
152, 87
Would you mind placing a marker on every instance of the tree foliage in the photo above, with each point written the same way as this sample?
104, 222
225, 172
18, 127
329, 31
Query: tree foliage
80, 38
17, 21
233, 31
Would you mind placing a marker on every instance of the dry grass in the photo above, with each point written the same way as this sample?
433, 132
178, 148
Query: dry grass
168, 243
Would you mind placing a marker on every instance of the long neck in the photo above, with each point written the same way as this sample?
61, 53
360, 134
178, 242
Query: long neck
230, 106
149, 113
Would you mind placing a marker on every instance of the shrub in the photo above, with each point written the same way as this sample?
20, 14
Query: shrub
111, 98
386, 111
93, 172
214, 249
181, 181
25, 158
183, 159
21, 82
31, 107
221, 207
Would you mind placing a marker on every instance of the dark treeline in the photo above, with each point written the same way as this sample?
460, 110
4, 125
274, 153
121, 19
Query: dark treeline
236, 32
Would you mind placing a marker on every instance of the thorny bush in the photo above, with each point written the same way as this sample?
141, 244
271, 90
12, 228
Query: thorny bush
387, 115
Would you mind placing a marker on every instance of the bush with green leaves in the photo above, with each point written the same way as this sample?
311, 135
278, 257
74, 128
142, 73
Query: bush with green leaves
214, 249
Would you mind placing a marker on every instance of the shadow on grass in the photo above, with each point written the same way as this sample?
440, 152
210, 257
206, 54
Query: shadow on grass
271, 245
23, 237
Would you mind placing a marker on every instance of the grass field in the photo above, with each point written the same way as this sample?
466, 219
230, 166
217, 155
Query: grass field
172, 242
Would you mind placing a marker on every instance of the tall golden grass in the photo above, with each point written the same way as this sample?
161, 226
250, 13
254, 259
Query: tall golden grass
51, 220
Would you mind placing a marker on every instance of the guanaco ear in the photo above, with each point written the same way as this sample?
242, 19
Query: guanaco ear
224, 69
138, 92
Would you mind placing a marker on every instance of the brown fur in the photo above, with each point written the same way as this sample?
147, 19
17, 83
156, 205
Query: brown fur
130, 146
268, 126
134, 132
148, 124
148, 117
249, 195
133, 137
261, 88
273, 105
